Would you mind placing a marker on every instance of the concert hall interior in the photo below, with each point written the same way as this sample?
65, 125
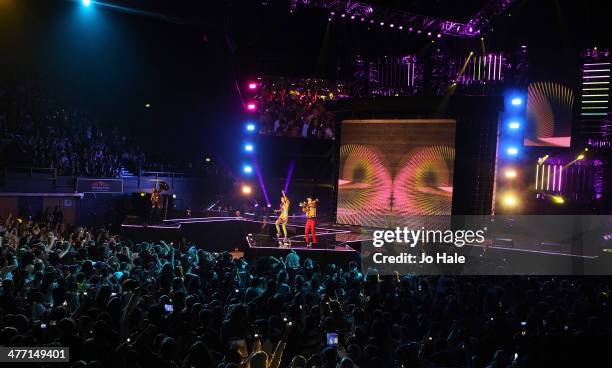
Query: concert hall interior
305, 183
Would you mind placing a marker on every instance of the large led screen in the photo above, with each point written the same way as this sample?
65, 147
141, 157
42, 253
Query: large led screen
549, 114
393, 169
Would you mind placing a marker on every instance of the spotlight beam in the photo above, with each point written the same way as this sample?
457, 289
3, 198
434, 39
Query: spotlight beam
289, 175
149, 14
467, 61
261, 182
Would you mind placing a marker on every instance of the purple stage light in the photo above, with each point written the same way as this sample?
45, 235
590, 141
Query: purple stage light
410, 29
401, 27
352, 17
261, 182
252, 85
429, 34
439, 35
391, 25
289, 175
251, 106
382, 23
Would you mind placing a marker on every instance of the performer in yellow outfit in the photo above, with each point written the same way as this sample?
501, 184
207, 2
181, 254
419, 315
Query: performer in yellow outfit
283, 218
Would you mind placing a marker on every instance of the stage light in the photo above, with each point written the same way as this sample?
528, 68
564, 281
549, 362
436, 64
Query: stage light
174, 196
439, 35
248, 147
246, 189
514, 125
252, 85
510, 200
207, 159
382, 23
251, 106
256, 205
269, 205
247, 169
429, 34
558, 199
352, 17
512, 151
510, 174
391, 25
410, 29
542, 159
250, 127
142, 194
516, 101
343, 15
580, 157
86, 2
401, 27
147, 105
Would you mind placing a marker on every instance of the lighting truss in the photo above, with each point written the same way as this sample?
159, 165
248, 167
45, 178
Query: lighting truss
368, 12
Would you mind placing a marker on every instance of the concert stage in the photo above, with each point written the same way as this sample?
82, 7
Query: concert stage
342, 244
336, 244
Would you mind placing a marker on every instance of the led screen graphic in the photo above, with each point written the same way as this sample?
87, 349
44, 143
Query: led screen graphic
392, 169
549, 114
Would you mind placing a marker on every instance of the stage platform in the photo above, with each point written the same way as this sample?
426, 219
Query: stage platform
336, 244
341, 244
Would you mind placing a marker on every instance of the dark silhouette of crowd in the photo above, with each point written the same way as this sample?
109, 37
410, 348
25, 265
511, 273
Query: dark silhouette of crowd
37, 130
297, 108
119, 303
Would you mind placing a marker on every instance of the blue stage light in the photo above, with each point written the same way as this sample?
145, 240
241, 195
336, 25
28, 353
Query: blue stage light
512, 151
86, 2
247, 169
250, 127
514, 124
516, 101
248, 147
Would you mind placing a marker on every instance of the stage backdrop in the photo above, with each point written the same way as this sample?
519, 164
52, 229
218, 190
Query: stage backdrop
392, 169
549, 114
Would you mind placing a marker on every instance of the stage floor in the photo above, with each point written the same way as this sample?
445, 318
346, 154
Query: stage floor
336, 243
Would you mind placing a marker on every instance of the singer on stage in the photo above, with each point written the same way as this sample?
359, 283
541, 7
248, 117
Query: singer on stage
310, 208
283, 218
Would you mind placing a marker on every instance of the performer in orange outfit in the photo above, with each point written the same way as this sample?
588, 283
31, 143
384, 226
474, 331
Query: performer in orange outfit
310, 208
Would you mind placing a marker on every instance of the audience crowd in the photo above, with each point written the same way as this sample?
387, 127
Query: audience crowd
297, 109
119, 303
38, 131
